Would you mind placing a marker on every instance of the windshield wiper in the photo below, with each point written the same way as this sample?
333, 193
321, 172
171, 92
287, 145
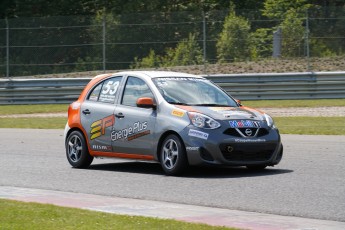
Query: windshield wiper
177, 103
212, 105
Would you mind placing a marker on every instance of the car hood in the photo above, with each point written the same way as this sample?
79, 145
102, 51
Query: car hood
227, 113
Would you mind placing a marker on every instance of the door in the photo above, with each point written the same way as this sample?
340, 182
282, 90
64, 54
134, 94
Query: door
97, 114
133, 125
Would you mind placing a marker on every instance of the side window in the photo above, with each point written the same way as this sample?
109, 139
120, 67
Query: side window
134, 89
105, 91
93, 96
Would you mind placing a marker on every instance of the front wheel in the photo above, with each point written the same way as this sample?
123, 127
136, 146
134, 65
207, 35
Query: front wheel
173, 156
76, 150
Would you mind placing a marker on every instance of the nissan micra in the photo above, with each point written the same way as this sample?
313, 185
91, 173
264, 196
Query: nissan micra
176, 119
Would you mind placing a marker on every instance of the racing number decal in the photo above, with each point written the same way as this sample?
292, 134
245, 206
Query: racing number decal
108, 91
110, 84
98, 127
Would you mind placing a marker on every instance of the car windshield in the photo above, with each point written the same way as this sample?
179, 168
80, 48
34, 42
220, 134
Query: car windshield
192, 91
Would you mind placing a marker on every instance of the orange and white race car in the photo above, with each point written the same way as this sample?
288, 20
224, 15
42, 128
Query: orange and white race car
176, 119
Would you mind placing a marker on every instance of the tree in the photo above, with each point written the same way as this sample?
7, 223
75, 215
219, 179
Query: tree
151, 61
278, 9
293, 33
234, 40
187, 52
291, 14
261, 41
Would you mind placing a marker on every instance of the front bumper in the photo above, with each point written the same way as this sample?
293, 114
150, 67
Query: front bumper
217, 147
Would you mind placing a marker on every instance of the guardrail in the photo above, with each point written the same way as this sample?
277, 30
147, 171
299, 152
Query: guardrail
276, 86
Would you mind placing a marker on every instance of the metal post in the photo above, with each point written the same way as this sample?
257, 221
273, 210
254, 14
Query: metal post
277, 43
307, 41
7, 49
204, 40
104, 41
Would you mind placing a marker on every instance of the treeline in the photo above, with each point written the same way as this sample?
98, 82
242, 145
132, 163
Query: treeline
133, 34
45, 8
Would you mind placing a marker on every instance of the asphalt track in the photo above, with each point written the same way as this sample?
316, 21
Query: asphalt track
309, 182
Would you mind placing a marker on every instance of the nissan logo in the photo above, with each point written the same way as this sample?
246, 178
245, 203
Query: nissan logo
248, 132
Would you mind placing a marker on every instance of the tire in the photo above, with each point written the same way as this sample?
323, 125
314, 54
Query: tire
256, 167
76, 150
173, 157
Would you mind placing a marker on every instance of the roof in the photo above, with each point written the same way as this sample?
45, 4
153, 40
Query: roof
152, 74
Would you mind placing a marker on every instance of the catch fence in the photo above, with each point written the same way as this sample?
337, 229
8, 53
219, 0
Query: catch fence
31, 46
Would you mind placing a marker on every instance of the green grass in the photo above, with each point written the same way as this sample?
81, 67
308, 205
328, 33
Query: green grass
49, 108
33, 123
286, 125
311, 125
20, 215
294, 103
29, 109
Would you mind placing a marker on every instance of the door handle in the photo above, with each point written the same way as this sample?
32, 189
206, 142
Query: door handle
86, 111
119, 115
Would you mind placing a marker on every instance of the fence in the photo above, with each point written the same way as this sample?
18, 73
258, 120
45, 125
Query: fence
31, 46
317, 85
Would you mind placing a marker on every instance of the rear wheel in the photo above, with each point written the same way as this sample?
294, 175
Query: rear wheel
173, 156
76, 150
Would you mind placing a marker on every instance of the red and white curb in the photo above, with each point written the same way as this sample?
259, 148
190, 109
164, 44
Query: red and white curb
158, 209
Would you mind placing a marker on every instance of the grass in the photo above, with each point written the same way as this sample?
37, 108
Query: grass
286, 125
52, 108
20, 215
311, 125
295, 103
29, 109
33, 123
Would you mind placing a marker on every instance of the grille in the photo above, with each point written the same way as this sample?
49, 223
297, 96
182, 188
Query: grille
251, 152
262, 132
232, 132
235, 132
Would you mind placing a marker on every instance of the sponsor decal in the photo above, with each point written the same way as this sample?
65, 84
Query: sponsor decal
249, 140
162, 79
244, 124
101, 147
240, 113
137, 135
192, 148
177, 113
227, 113
231, 112
221, 109
136, 130
98, 127
198, 134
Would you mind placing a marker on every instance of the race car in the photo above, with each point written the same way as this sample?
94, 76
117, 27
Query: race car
176, 119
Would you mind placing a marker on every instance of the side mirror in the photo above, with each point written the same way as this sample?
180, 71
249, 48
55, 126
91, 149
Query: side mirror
146, 102
238, 102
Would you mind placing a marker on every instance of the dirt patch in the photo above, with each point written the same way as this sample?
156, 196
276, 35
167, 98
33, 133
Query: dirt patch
273, 65
334, 111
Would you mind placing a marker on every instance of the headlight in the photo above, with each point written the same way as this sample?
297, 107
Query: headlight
269, 121
202, 121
